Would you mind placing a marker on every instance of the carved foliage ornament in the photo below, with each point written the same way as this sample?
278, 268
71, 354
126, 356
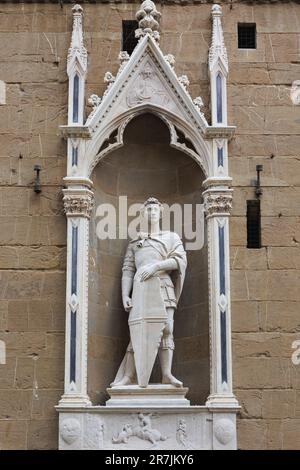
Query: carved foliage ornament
217, 203
79, 205
148, 18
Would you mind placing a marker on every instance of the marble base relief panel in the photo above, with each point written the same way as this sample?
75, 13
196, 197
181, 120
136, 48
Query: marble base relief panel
183, 428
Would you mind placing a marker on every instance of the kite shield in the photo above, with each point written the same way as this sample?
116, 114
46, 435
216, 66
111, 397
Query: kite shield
146, 321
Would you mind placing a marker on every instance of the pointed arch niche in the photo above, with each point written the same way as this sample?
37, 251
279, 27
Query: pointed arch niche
146, 164
146, 136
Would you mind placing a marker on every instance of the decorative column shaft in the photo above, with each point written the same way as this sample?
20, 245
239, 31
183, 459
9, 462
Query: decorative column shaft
78, 202
217, 201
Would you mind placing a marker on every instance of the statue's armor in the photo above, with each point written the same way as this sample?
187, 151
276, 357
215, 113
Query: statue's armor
141, 253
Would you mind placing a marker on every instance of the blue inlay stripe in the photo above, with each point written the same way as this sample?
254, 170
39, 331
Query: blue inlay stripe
223, 347
73, 348
75, 98
74, 260
219, 98
220, 157
74, 156
222, 260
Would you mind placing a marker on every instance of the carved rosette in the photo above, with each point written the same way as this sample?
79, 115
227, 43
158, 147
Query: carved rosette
79, 203
217, 203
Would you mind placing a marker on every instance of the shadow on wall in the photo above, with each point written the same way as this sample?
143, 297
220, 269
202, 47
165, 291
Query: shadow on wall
146, 165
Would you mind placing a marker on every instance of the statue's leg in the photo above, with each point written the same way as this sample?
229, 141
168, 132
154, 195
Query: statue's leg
166, 350
127, 374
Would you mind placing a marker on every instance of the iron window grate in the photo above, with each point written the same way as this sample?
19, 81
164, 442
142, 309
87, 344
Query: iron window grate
253, 224
129, 41
247, 36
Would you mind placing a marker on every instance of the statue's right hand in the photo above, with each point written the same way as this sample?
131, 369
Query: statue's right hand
127, 303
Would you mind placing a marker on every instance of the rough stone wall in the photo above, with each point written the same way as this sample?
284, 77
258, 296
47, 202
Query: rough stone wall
265, 282
32, 227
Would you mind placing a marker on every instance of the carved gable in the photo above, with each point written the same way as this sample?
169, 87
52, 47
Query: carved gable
147, 78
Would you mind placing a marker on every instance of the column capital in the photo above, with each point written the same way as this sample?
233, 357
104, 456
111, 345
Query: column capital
78, 202
217, 202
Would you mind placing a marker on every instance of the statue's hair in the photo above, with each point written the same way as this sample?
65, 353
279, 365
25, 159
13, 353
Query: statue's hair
149, 201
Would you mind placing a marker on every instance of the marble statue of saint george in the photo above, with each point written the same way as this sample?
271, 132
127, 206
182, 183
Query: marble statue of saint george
153, 275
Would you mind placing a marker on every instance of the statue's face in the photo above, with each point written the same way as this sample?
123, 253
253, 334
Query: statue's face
152, 213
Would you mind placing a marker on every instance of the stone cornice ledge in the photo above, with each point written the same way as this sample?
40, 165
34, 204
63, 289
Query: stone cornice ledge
219, 132
75, 131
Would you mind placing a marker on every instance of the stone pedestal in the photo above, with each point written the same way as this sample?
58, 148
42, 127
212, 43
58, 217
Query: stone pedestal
156, 395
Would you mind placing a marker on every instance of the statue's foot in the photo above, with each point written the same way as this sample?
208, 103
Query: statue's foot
125, 381
170, 379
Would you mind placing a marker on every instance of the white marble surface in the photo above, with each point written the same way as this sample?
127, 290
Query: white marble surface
177, 428
154, 395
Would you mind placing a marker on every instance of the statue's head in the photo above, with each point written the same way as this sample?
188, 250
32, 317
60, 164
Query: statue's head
152, 210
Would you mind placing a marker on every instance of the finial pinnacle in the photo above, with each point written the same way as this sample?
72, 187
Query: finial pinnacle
148, 18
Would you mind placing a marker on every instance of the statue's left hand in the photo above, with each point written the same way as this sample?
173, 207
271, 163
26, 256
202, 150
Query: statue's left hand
148, 271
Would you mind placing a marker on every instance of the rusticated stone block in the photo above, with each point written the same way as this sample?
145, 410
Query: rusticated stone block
262, 145
290, 436
3, 315
17, 318
247, 259
239, 73
252, 434
50, 372
54, 285
278, 172
278, 404
283, 257
13, 434
8, 373
25, 372
256, 344
264, 372
280, 316
281, 231
43, 403
22, 344
283, 285
20, 285
40, 315
245, 315
55, 345
251, 403
15, 404
42, 434
238, 231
